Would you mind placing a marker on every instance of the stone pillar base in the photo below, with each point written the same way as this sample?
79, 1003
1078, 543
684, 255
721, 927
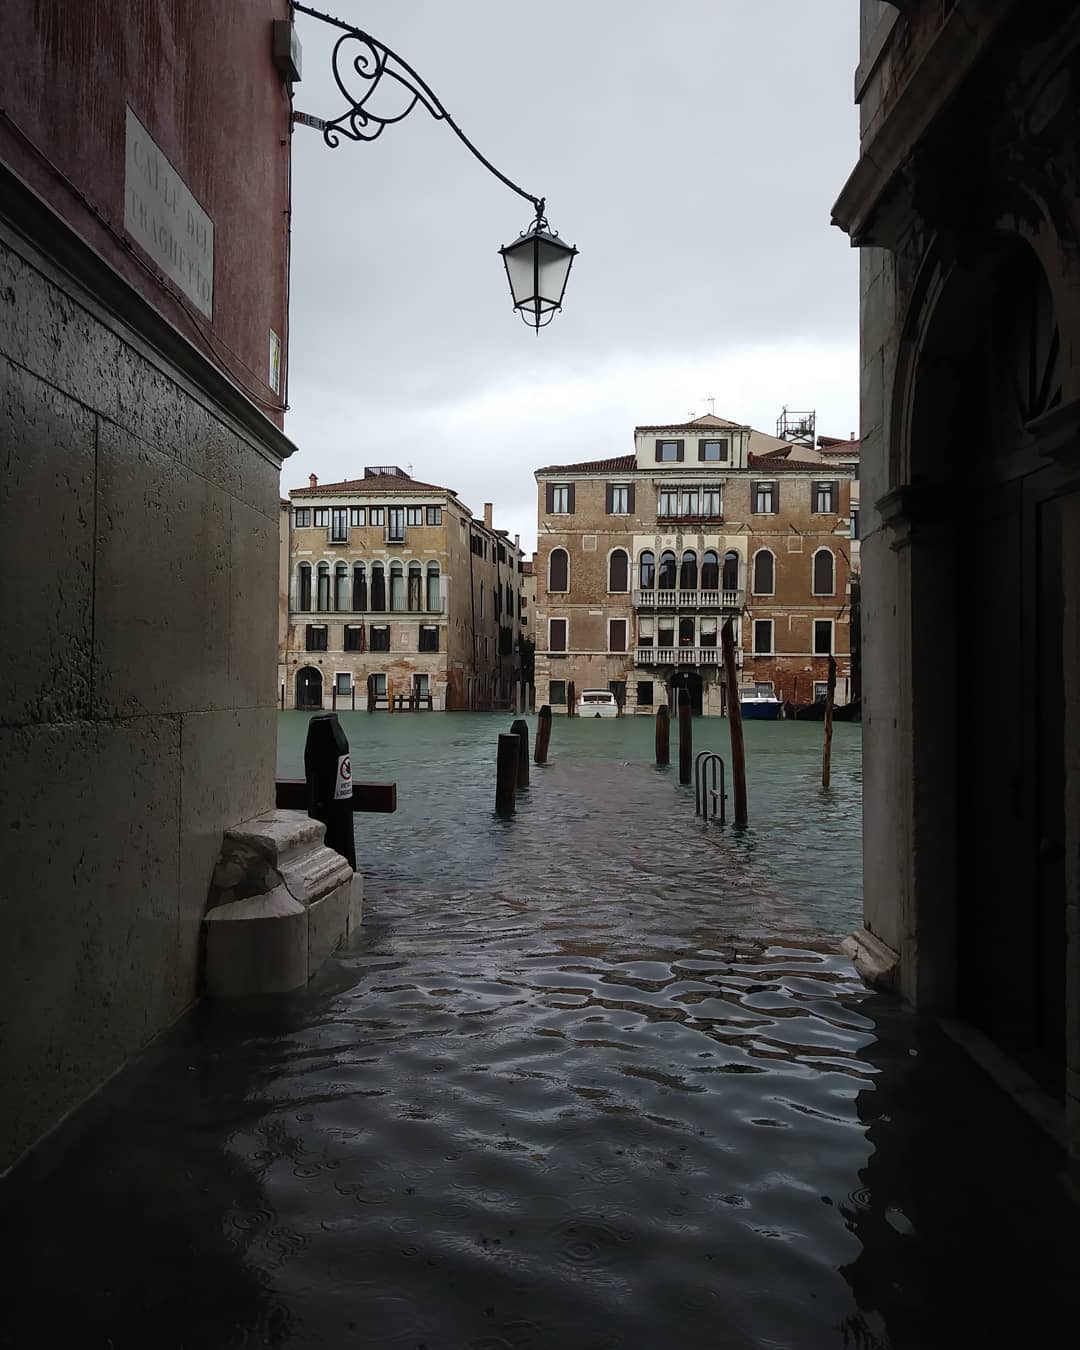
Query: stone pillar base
281, 902
875, 961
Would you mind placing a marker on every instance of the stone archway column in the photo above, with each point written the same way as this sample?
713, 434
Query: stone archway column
1057, 434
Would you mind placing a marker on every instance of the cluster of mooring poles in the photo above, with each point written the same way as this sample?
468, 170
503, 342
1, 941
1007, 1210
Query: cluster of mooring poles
512, 760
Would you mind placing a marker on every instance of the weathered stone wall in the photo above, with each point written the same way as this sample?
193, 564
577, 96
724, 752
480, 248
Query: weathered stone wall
140, 525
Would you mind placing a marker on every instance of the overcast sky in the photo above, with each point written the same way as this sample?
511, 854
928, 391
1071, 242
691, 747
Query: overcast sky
691, 150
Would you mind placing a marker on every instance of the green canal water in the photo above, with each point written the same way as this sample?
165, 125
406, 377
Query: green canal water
600, 814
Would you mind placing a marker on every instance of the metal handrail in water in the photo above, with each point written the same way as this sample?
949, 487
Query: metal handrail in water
710, 798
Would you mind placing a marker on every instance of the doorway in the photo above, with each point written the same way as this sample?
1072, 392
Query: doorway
309, 688
692, 682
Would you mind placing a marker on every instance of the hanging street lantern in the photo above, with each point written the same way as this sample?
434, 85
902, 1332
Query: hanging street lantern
538, 267
537, 262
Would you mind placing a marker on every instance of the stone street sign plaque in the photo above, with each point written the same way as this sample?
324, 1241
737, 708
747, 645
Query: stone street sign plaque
164, 218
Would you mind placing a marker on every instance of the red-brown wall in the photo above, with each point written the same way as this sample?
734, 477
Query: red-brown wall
199, 75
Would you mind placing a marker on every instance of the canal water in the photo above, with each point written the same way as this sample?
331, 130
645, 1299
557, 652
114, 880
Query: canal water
593, 1078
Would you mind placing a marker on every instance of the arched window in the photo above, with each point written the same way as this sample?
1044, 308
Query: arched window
729, 581
303, 586
341, 586
322, 590
666, 576
378, 586
619, 571
397, 586
764, 573
416, 586
434, 594
688, 571
686, 632
824, 572
359, 586
559, 570
647, 570
710, 570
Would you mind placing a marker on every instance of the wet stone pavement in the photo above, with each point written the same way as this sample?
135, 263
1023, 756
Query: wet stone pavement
589, 1080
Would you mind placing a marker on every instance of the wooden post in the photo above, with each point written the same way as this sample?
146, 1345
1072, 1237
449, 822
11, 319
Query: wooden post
283, 697
543, 734
371, 693
333, 696
830, 698
571, 700
389, 694
521, 730
686, 737
354, 695
663, 734
738, 749
506, 773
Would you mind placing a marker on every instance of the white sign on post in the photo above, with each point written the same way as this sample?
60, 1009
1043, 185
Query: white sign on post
164, 218
343, 786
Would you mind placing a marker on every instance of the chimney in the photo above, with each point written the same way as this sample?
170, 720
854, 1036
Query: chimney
852, 435
313, 480
487, 514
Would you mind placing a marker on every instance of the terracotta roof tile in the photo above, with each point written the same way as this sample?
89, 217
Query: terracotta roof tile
618, 464
382, 482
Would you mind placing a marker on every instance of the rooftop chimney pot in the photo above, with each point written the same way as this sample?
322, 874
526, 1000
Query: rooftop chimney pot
487, 514
313, 480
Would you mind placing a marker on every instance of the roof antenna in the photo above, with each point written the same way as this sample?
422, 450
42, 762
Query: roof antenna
711, 401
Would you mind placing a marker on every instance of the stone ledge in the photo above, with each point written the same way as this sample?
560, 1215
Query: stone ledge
875, 960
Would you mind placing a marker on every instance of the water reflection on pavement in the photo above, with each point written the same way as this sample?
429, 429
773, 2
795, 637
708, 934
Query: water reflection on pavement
548, 1106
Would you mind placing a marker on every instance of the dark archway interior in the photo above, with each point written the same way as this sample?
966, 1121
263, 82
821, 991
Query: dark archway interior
309, 687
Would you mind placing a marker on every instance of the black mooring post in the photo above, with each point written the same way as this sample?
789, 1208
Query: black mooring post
506, 773
328, 770
521, 728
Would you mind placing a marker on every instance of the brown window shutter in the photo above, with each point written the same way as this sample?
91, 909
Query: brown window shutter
549, 497
630, 499
776, 495
657, 452
609, 494
701, 450
836, 497
680, 450
570, 495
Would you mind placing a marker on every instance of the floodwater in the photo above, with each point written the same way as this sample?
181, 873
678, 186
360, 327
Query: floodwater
593, 1078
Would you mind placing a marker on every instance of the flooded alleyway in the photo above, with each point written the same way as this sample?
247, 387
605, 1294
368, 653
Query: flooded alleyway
593, 1078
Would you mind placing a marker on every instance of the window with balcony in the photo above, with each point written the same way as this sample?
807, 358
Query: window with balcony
378, 586
714, 452
414, 515
646, 632
380, 637
359, 586
668, 571
321, 517
434, 515
669, 452
764, 498
357, 515
644, 693
763, 636
688, 571
710, 570
712, 506
616, 635
688, 502
665, 632
557, 635
339, 525
729, 577
823, 637
429, 637
416, 586
707, 629
315, 637
647, 570
764, 572
667, 502
825, 497
303, 586
824, 572
560, 499
434, 588
619, 570
395, 525
620, 499
377, 515
559, 570
354, 637
686, 631
302, 517
322, 586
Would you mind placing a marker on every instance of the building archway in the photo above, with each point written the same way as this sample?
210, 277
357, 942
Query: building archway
692, 682
986, 612
309, 687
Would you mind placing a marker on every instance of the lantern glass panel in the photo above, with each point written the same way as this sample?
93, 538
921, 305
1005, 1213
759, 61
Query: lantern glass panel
520, 270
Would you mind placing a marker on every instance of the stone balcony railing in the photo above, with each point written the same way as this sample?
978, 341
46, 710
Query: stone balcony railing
678, 656
664, 599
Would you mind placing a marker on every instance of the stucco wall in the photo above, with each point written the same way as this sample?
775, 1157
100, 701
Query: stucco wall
136, 684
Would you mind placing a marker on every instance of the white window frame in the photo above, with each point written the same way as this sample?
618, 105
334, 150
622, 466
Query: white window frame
646, 639
813, 571
302, 517
712, 490
560, 499
832, 638
558, 618
414, 515
336, 685
320, 517
377, 515
757, 510
357, 516
759, 651
624, 490
834, 492
619, 651
433, 515
667, 509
